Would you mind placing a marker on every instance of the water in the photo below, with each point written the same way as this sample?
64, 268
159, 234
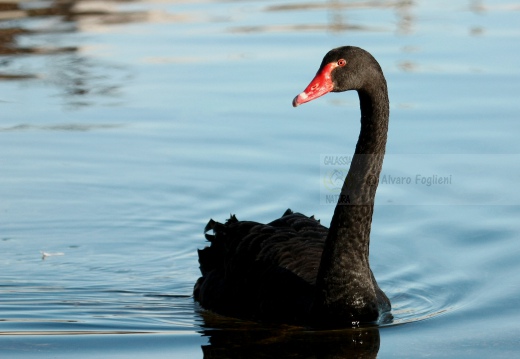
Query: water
127, 125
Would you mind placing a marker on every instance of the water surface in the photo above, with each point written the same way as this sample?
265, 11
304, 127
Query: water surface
128, 124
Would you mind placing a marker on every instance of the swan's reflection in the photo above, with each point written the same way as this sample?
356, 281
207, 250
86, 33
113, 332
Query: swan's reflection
230, 338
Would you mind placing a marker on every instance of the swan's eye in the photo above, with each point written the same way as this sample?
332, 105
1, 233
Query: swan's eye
342, 62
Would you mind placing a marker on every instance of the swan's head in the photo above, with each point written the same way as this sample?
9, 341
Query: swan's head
342, 69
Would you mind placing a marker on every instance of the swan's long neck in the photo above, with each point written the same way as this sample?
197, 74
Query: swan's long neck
345, 284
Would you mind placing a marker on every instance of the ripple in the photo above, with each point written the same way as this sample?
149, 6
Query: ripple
74, 127
414, 301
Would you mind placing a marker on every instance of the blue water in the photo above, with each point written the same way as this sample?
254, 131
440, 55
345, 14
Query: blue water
127, 125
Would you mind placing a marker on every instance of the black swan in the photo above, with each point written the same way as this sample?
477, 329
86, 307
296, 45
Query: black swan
294, 270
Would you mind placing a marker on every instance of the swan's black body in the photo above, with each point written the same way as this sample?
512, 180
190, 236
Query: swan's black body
294, 270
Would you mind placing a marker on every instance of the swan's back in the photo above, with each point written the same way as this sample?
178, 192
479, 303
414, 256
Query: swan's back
261, 271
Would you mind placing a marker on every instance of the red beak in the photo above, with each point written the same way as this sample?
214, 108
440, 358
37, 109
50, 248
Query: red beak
319, 86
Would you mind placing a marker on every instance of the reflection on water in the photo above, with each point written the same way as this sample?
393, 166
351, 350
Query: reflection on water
80, 79
48, 32
234, 339
337, 17
43, 28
